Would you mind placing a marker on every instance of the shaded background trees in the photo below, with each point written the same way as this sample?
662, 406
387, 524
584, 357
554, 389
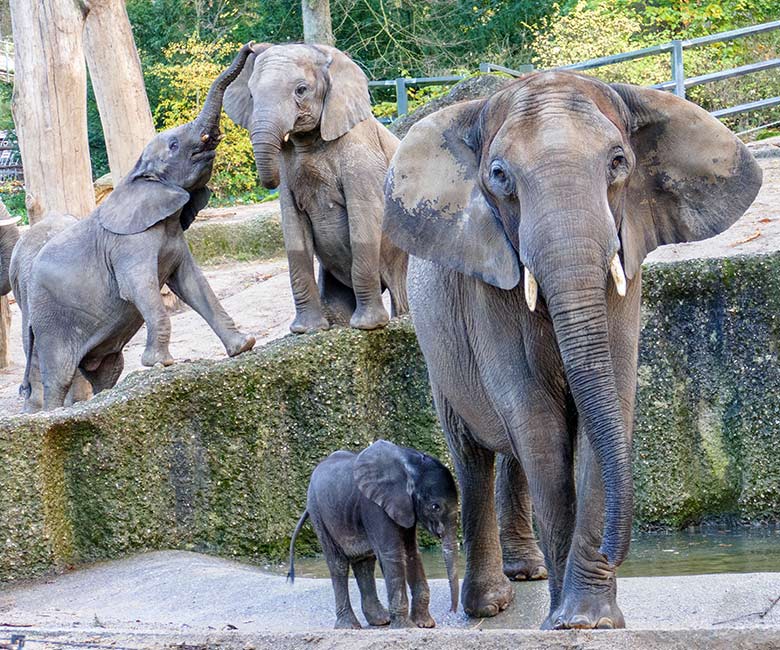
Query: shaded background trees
182, 42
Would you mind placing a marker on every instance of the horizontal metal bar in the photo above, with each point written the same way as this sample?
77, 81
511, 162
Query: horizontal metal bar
417, 80
488, 67
731, 35
744, 108
618, 58
732, 72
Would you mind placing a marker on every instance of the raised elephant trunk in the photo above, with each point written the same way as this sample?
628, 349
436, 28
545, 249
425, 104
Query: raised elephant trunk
449, 547
208, 118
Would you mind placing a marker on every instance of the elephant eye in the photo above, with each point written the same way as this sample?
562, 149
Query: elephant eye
618, 161
173, 145
500, 178
300, 91
435, 507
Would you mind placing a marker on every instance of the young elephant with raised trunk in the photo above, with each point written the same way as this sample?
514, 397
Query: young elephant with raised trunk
308, 112
528, 215
366, 507
94, 283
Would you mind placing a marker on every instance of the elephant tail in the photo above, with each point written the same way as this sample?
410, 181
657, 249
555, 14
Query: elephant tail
301, 521
25, 390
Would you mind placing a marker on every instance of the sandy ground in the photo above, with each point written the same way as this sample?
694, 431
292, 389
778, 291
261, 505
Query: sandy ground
177, 591
257, 294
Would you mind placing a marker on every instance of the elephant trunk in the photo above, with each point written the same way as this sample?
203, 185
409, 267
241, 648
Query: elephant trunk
449, 549
580, 323
573, 273
267, 140
207, 121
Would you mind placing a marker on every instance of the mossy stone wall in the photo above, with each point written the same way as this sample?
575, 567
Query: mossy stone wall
216, 455
213, 242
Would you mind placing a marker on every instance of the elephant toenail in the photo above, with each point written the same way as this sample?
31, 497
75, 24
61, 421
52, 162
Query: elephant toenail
539, 573
580, 622
605, 624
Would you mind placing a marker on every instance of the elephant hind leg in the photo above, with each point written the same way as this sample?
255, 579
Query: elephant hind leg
486, 590
523, 560
106, 373
374, 611
338, 300
58, 362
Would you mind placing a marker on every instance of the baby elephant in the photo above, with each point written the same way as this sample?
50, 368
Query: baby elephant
95, 282
366, 506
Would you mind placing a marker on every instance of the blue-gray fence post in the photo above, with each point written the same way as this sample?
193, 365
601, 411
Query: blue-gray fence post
401, 100
678, 72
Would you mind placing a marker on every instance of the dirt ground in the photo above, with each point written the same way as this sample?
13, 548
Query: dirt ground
257, 294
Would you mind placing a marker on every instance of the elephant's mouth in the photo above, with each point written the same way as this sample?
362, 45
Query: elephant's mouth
204, 156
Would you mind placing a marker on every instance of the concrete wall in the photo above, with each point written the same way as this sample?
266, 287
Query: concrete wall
216, 456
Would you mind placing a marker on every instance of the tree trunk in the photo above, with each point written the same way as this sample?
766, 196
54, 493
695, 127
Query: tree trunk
115, 71
316, 22
49, 107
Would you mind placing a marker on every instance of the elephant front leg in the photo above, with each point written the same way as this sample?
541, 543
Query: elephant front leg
365, 210
189, 283
486, 590
143, 290
523, 560
415, 576
298, 243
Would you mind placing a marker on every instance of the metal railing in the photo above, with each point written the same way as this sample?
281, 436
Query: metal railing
678, 83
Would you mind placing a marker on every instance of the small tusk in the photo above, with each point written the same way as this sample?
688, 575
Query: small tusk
286, 137
616, 269
204, 137
220, 137
531, 289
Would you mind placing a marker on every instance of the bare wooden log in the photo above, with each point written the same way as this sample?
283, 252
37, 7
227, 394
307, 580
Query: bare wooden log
115, 71
317, 27
49, 106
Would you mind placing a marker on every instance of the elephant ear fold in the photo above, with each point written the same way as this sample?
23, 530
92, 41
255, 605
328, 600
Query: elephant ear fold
693, 176
434, 207
382, 477
139, 202
237, 100
347, 102
198, 200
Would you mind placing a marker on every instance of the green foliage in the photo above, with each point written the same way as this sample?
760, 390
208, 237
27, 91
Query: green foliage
184, 79
6, 119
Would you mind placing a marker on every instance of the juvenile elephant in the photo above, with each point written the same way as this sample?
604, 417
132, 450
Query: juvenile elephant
309, 115
94, 284
367, 506
567, 183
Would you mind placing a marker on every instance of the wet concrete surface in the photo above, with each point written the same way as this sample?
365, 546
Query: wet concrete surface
179, 595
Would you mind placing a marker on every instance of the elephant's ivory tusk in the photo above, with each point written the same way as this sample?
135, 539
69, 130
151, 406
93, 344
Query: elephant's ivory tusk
531, 289
204, 137
286, 137
616, 269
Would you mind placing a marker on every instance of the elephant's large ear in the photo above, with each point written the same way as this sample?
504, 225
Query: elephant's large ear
138, 203
237, 100
347, 102
382, 476
693, 176
434, 207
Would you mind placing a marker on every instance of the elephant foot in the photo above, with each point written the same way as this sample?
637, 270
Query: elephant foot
376, 614
531, 568
487, 596
423, 619
243, 343
583, 611
347, 623
152, 357
307, 322
369, 318
400, 622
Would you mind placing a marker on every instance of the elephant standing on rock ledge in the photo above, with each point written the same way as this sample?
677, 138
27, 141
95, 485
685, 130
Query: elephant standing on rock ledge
565, 183
308, 112
92, 285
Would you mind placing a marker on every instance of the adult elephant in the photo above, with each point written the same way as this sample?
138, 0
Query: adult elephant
564, 181
309, 115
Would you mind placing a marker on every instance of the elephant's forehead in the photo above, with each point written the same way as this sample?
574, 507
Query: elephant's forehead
303, 56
